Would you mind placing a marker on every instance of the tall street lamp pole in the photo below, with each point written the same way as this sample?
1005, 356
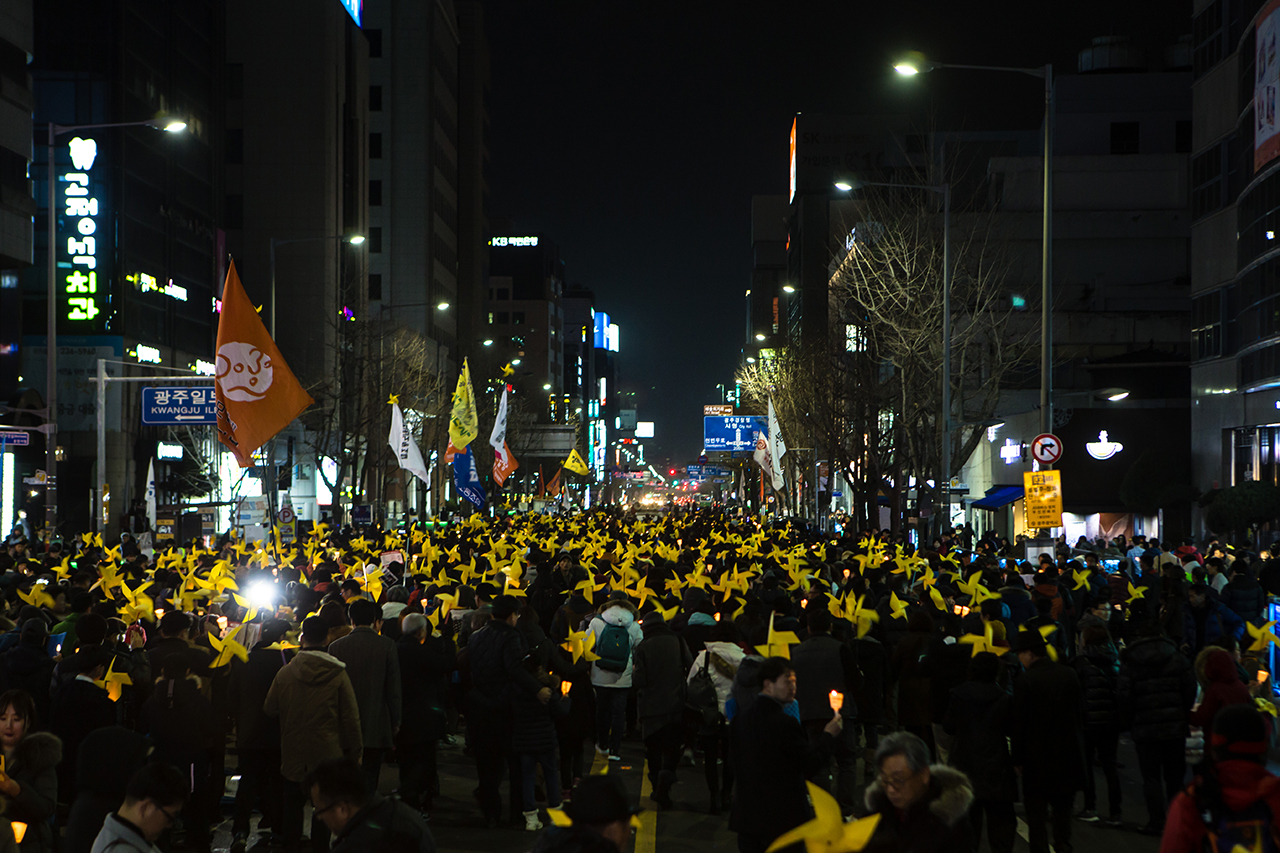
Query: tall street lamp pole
51, 310
917, 64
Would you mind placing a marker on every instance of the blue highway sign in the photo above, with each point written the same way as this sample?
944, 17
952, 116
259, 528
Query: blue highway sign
734, 433
179, 406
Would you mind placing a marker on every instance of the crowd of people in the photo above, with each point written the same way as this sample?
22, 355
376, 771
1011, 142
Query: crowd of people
925, 692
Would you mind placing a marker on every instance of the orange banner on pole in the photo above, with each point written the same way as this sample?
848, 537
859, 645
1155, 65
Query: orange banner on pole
257, 393
504, 464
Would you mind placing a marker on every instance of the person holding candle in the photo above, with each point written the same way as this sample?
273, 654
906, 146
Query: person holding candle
825, 666
28, 776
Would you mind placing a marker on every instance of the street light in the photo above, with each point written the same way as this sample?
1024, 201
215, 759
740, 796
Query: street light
786, 288
759, 336
353, 239
916, 63
443, 306
488, 342
51, 311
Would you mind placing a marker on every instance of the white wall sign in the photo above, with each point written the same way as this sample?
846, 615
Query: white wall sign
1104, 447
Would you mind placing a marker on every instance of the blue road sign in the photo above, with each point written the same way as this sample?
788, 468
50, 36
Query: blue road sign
17, 439
733, 433
179, 406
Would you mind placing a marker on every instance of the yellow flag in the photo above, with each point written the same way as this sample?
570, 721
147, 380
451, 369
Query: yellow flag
463, 424
575, 464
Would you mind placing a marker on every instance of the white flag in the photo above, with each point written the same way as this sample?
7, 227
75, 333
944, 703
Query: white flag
404, 447
777, 448
498, 438
151, 494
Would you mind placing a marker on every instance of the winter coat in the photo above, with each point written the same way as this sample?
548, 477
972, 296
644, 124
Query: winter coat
79, 707
387, 825
1018, 600
947, 664
118, 837
913, 680
615, 615
873, 667
318, 711
1155, 689
34, 767
1098, 668
1245, 597
375, 677
111, 757
198, 659
180, 721
247, 691
935, 823
495, 658
1242, 783
27, 666
569, 617
980, 718
726, 658
661, 664
1219, 621
425, 669
1048, 732
1224, 689
772, 757
697, 631
822, 664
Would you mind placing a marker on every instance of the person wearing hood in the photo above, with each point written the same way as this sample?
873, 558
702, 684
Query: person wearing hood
1233, 794
662, 661
27, 666
1224, 688
1097, 665
1156, 688
923, 808
615, 633
257, 735
700, 626
319, 720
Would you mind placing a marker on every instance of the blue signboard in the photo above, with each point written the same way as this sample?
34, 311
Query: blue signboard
734, 433
179, 406
355, 8
17, 439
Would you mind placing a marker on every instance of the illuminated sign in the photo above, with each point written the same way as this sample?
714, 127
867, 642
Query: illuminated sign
149, 355
1011, 452
168, 450
644, 429
793, 170
355, 8
606, 333
1104, 447
149, 284
204, 368
80, 270
513, 241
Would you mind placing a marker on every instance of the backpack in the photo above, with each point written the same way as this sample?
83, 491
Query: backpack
701, 696
1252, 829
614, 648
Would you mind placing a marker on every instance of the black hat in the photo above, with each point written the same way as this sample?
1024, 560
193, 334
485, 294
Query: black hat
600, 800
1030, 640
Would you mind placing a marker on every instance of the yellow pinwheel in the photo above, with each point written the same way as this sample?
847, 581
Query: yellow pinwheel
580, 645
138, 604
827, 832
1080, 578
971, 586
1261, 636
863, 617
37, 596
984, 642
779, 643
228, 648
113, 682
1045, 631
1136, 592
897, 607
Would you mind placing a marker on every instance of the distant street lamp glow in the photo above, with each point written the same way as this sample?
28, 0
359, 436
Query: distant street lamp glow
443, 306
515, 362
488, 342
844, 186
759, 337
906, 69
546, 387
1118, 396
786, 288
175, 126
356, 240
751, 360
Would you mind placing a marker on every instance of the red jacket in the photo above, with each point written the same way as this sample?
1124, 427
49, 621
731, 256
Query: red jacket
1243, 784
1224, 689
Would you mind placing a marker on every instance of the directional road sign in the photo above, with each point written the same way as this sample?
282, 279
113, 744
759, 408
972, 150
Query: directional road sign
733, 433
17, 439
1046, 448
179, 406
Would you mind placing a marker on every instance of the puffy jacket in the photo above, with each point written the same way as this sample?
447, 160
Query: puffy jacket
1098, 668
1018, 600
1218, 621
385, 824
1156, 687
34, 768
937, 822
615, 615
1225, 688
495, 657
1246, 597
319, 716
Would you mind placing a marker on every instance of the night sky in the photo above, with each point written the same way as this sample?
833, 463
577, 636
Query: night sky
634, 136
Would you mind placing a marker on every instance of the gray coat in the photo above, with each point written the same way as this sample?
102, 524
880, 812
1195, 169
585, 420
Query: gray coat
662, 663
115, 837
374, 671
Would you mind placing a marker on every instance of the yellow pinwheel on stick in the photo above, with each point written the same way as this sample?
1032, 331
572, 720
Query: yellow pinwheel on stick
827, 832
779, 643
984, 642
1261, 636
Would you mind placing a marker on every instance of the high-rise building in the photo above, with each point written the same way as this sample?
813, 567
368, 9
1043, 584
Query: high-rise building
137, 218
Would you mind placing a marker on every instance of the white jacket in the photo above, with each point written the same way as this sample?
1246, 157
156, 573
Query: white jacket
615, 616
730, 653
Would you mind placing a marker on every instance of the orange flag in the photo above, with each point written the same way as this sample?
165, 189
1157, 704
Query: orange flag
258, 394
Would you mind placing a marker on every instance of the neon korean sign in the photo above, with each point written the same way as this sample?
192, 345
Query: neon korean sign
82, 263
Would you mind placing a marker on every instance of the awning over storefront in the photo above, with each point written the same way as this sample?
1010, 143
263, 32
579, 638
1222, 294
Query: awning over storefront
998, 497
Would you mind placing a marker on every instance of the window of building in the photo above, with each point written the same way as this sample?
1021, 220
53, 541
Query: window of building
375, 287
1206, 325
375, 239
375, 99
375, 146
503, 319
504, 293
1206, 181
235, 80
1207, 38
375, 193
234, 147
1124, 137
233, 212
517, 318
1182, 137
375, 43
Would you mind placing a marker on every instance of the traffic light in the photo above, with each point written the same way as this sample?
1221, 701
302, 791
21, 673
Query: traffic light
672, 472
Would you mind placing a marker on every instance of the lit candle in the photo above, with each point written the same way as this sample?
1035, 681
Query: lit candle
1263, 675
564, 688
159, 613
222, 623
19, 830
837, 700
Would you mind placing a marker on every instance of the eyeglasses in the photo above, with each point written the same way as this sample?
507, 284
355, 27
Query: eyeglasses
171, 816
330, 807
896, 783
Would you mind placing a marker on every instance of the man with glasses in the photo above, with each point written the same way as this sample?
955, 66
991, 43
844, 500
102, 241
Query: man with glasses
361, 820
921, 807
153, 800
